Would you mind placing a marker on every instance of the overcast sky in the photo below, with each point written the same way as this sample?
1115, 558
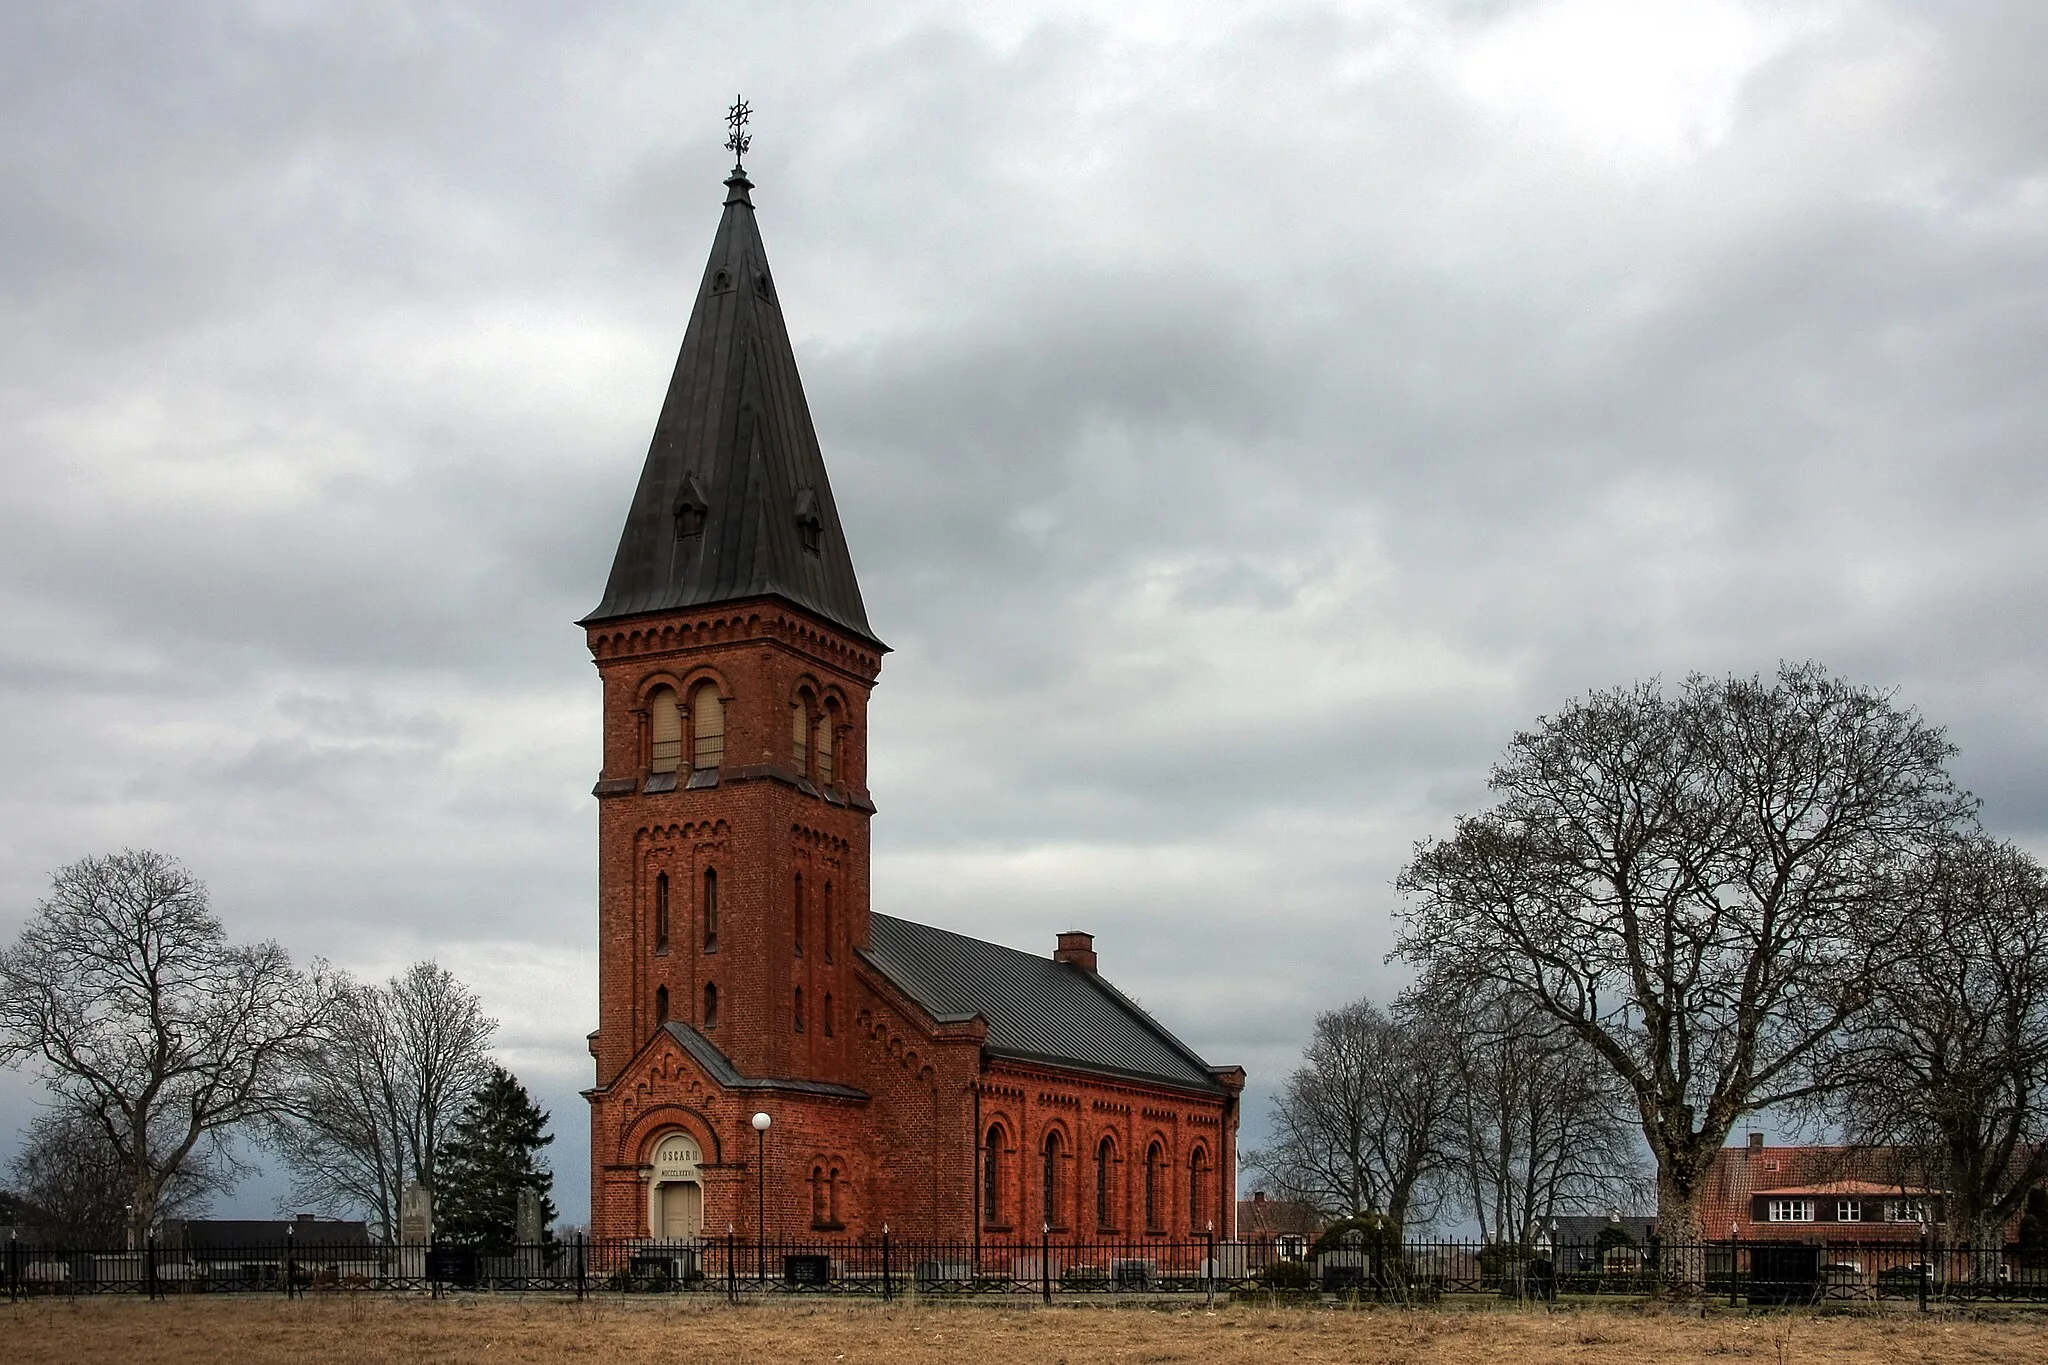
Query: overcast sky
1243, 417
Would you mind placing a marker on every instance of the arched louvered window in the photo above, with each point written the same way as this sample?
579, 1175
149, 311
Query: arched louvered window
992, 1178
1155, 1189
828, 721
800, 733
710, 1005
1049, 1180
665, 729
661, 912
707, 727
1105, 1184
710, 910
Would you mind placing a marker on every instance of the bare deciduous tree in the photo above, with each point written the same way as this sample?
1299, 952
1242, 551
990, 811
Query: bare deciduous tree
1680, 883
380, 1086
1363, 1125
1539, 1126
145, 1020
76, 1192
1948, 1070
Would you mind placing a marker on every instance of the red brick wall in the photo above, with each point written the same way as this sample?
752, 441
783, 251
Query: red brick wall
910, 1156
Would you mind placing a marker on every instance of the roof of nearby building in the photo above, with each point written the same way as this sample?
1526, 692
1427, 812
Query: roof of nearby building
1584, 1229
239, 1234
1259, 1218
1036, 1009
1742, 1174
720, 1068
1869, 1189
734, 449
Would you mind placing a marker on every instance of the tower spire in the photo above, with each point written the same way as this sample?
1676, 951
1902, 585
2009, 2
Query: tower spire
733, 501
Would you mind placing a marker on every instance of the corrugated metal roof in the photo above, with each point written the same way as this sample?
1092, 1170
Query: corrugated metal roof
733, 501
1037, 1009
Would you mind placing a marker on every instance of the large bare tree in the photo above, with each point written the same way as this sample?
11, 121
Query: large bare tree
1681, 881
1947, 1072
381, 1084
1539, 1126
146, 1021
1363, 1126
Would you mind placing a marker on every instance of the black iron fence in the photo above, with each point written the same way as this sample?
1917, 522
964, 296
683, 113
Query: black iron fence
1051, 1268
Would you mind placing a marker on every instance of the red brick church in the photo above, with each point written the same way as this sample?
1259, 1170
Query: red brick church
943, 1085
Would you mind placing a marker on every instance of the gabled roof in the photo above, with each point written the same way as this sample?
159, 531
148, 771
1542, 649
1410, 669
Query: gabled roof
733, 501
720, 1068
1037, 1010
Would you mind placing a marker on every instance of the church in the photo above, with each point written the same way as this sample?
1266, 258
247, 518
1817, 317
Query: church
773, 1056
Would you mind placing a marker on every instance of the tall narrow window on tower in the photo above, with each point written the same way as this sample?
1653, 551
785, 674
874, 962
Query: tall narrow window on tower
710, 1005
665, 730
799, 733
661, 912
796, 916
707, 728
710, 910
828, 921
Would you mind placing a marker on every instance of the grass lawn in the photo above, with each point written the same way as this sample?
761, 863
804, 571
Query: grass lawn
353, 1330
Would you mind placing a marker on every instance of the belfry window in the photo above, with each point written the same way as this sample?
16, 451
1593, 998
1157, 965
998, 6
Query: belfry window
661, 912
710, 910
710, 1005
707, 727
828, 720
799, 733
665, 729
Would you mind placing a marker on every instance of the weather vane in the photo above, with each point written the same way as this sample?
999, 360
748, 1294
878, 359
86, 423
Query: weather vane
739, 142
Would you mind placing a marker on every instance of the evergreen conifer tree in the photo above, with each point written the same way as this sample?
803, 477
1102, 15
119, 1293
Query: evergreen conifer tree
494, 1153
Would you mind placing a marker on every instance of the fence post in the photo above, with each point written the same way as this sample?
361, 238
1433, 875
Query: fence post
1734, 1266
1926, 1265
1045, 1262
732, 1267
291, 1271
888, 1289
582, 1263
1209, 1267
149, 1265
13, 1268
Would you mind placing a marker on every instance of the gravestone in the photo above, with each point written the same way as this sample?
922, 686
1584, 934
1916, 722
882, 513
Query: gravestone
415, 1229
526, 1228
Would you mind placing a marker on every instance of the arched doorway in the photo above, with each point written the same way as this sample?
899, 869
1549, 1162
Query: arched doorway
675, 1190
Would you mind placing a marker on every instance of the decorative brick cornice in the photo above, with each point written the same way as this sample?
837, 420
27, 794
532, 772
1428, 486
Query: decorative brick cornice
768, 621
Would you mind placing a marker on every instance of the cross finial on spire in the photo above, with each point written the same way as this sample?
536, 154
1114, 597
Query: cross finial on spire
739, 142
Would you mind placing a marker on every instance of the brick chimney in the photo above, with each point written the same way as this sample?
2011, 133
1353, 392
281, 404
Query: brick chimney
1756, 1144
1077, 949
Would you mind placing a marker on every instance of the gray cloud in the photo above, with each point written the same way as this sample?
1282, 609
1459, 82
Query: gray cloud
1244, 418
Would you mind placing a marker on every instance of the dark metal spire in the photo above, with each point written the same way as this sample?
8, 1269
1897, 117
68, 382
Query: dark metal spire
733, 501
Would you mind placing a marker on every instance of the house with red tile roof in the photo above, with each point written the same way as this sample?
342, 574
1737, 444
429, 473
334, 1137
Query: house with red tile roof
1759, 1193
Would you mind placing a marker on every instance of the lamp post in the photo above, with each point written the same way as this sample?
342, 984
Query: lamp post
761, 1124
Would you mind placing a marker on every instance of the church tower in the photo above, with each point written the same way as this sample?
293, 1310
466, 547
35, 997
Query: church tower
736, 660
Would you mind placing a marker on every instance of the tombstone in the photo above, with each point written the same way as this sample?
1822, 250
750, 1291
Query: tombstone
526, 1221
415, 1229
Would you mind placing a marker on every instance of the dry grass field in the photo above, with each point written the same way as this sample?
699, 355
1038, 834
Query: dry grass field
358, 1331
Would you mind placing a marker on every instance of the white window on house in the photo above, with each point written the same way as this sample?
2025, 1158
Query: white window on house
1848, 1211
1905, 1210
1791, 1211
